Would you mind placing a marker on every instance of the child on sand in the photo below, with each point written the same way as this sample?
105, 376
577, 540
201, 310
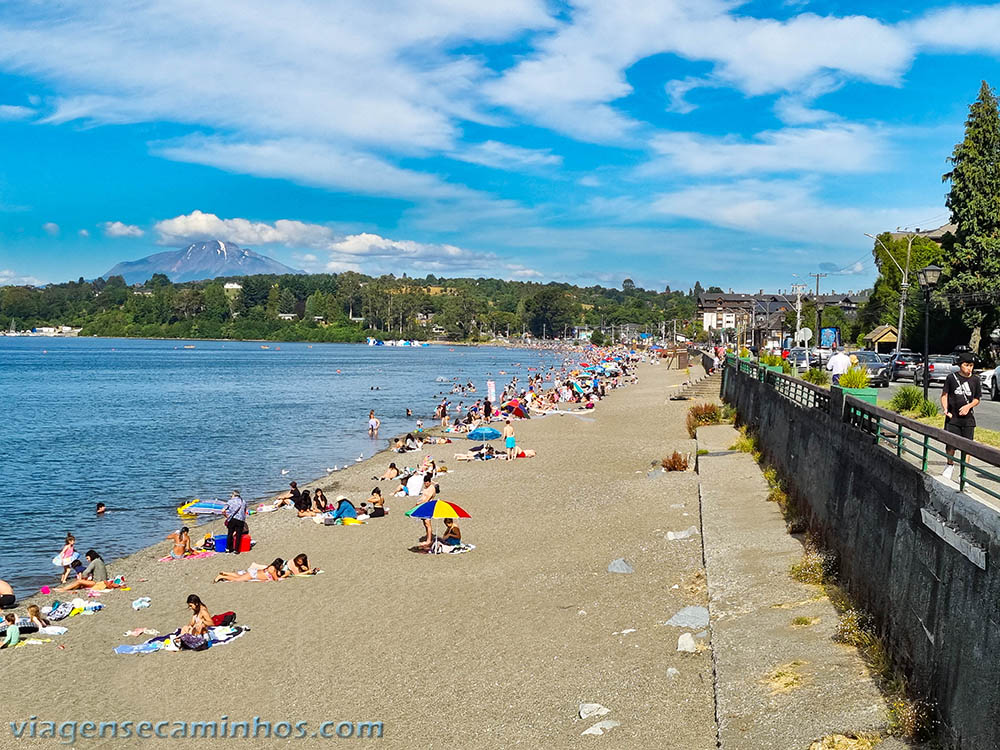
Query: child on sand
13, 631
35, 615
66, 557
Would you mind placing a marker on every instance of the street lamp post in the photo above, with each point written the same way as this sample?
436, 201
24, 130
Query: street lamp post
929, 278
902, 287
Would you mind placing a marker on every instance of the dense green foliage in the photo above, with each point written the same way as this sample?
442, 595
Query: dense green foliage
974, 201
339, 307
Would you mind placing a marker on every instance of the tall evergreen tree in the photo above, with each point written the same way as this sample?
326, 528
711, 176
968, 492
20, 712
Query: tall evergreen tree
973, 265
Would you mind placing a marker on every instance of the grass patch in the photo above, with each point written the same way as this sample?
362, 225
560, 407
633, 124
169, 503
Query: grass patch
785, 678
804, 622
865, 741
700, 415
703, 451
746, 442
675, 462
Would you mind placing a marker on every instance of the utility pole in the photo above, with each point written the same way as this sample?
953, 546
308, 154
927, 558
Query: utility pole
819, 307
902, 287
797, 288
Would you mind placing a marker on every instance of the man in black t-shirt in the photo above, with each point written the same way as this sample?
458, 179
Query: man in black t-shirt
959, 396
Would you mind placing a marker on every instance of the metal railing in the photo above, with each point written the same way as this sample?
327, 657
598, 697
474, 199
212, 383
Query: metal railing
976, 465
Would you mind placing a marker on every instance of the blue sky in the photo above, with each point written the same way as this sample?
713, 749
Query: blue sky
666, 140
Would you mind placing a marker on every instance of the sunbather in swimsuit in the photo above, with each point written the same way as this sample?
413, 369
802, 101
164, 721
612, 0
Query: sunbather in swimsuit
271, 572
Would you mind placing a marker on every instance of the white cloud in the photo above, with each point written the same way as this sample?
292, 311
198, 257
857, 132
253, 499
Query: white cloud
974, 28
505, 156
198, 226
51, 228
834, 149
589, 181
790, 209
118, 229
307, 258
14, 112
84, 233
12, 278
315, 163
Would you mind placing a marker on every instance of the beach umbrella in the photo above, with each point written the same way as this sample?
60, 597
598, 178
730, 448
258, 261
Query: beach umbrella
484, 434
437, 509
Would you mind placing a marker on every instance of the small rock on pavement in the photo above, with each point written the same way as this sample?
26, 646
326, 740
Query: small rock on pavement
688, 532
689, 617
593, 709
686, 643
601, 727
672, 672
620, 566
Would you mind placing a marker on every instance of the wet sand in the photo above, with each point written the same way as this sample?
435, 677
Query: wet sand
490, 649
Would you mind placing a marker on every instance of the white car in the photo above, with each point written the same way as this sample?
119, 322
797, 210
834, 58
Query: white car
991, 388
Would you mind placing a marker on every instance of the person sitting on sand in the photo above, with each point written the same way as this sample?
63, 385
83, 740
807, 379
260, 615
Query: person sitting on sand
201, 620
378, 504
13, 634
345, 508
452, 537
288, 498
410, 443
363, 512
299, 566
7, 598
320, 503
182, 543
95, 575
391, 473
35, 615
303, 504
255, 572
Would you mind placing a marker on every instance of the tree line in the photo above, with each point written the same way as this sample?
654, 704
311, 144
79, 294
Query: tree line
343, 307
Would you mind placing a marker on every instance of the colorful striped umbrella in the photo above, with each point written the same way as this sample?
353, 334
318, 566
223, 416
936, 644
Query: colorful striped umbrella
437, 509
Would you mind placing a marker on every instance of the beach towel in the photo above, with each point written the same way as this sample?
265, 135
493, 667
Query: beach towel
60, 611
190, 556
217, 636
457, 549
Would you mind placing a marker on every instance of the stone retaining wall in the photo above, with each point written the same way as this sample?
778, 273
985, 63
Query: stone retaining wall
915, 553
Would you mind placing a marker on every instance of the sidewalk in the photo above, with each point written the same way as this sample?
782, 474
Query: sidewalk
781, 681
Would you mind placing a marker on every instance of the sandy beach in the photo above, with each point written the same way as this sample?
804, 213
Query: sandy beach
489, 649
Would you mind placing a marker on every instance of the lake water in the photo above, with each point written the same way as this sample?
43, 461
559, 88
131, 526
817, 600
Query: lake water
145, 426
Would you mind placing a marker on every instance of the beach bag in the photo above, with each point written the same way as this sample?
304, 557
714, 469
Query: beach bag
226, 618
193, 642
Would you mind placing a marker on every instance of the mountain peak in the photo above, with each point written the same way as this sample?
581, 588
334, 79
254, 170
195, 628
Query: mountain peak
198, 261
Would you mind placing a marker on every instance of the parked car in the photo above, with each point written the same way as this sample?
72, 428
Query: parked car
905, 366
991, 388
878, 370
798, 358
937, 368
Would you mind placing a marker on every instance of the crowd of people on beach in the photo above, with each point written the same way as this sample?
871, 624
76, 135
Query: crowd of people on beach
577, 386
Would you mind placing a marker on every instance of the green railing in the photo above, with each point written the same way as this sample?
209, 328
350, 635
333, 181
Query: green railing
976, 465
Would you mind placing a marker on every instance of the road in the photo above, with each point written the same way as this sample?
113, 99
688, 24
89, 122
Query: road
987, 413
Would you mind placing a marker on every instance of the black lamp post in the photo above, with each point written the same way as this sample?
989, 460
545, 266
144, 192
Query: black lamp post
929, 278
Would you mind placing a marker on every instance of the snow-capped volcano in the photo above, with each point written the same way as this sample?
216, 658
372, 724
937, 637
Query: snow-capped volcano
200, 260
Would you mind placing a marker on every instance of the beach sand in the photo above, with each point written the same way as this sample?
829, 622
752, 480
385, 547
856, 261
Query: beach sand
490, 649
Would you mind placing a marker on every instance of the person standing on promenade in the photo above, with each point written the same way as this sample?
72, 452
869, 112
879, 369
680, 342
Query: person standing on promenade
959, 396
509, 441
236, 522
838, 364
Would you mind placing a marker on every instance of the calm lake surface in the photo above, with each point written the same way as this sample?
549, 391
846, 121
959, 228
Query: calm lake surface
145, 426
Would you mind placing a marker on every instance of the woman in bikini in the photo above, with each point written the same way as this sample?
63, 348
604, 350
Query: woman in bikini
201, 620
182, 543
255, 572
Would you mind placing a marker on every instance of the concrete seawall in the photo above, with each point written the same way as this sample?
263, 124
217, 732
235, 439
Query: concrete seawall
915, 553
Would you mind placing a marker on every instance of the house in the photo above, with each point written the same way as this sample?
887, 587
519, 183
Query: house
231, 288
287, 316
142, 291
882, 339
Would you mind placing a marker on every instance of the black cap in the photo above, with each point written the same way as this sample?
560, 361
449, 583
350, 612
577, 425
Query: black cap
966, 357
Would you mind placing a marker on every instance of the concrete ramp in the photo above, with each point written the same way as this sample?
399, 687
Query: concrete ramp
781, 680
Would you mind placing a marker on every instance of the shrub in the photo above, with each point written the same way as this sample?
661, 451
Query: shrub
745, 443
856, 377
928, 408
907, 398
700, 415
675, 462
816, 376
